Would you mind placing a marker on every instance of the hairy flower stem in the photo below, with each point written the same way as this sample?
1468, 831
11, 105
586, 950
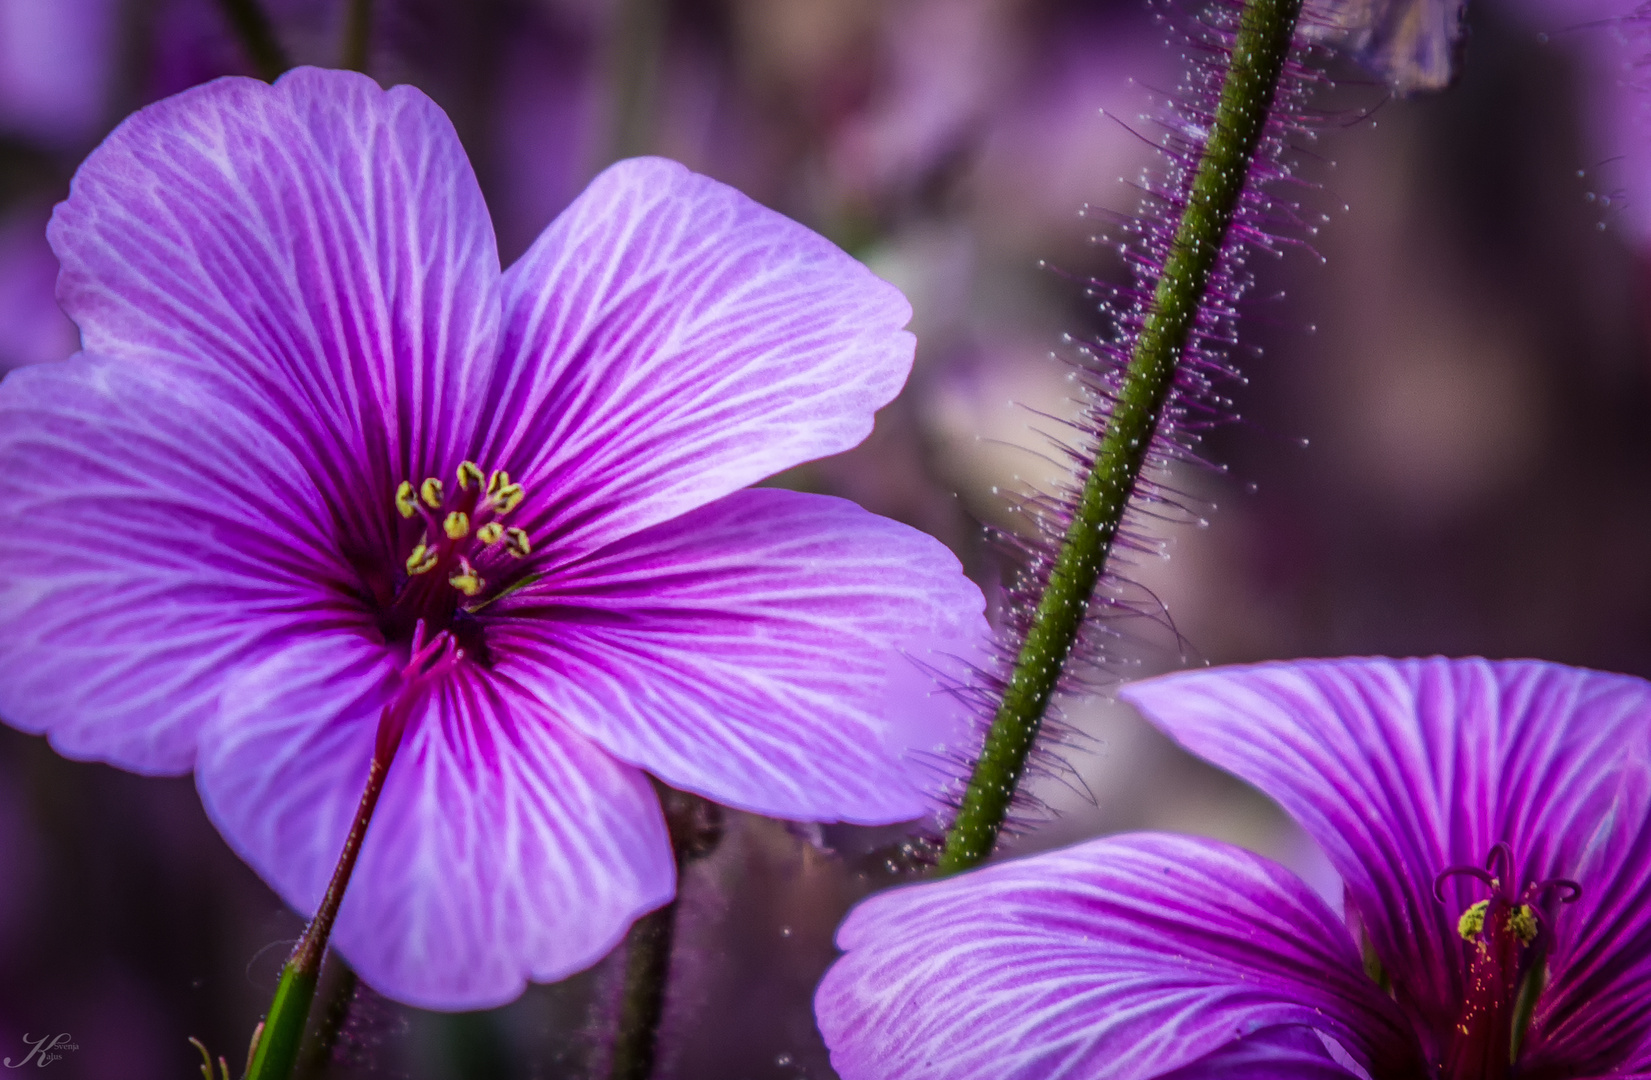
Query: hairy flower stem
696, 828
647, 970
257, 36
1266, 28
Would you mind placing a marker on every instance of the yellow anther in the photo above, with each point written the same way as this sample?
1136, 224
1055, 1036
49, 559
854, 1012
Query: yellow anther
431, 492
468, 583
499, 480
490, 533
1522, 923
517, 543
405, 505
1472, 922
507, 498
457, 525
422, 560
470, 475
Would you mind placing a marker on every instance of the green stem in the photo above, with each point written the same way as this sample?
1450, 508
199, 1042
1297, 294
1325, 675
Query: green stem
696, 828
358, 36
331, 1023
257, 36
1266, 28
277, 1049
647, 971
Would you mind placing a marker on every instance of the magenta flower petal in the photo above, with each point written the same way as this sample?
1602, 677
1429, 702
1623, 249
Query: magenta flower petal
495, 823
1287, 1053
745, 651
1400, 769
668, 341
1128, 957
320, 246
159, 540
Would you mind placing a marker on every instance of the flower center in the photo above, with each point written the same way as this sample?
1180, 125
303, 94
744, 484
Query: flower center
464, 556
1506, 938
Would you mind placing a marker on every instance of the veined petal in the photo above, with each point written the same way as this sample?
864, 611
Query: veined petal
1126, 958
1400, 769
747, 651
1284, 1053
504, 848
156, 539
319, 247
668, 341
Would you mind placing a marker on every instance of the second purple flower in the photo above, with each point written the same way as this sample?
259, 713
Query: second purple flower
1488, 821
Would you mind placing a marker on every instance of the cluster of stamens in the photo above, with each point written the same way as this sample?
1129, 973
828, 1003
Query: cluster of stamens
1514, 908
1505, 971
1520, 921
473, 514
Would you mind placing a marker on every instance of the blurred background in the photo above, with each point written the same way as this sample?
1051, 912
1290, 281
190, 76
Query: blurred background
1444, 445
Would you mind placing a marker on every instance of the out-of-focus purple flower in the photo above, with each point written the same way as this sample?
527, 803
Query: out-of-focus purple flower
56, 62
1489, 821
312, 416
1413, 44
32, 327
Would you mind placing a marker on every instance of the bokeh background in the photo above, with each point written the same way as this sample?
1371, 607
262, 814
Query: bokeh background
1444, 445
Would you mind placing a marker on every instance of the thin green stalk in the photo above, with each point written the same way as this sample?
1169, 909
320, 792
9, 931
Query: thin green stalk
276, 1051
696, 829
1266, 28
647, 971
358, 36
334, 1013
257, 36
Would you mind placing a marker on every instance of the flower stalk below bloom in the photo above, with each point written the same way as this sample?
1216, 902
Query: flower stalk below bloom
696, 829
1266, 31
257, 36
276, 1050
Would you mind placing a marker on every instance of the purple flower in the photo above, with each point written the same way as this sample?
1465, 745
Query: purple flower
1488, 820
312, 416
1414, 44
56, 66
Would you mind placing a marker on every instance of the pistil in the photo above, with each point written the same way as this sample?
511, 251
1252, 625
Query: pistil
1506, 939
